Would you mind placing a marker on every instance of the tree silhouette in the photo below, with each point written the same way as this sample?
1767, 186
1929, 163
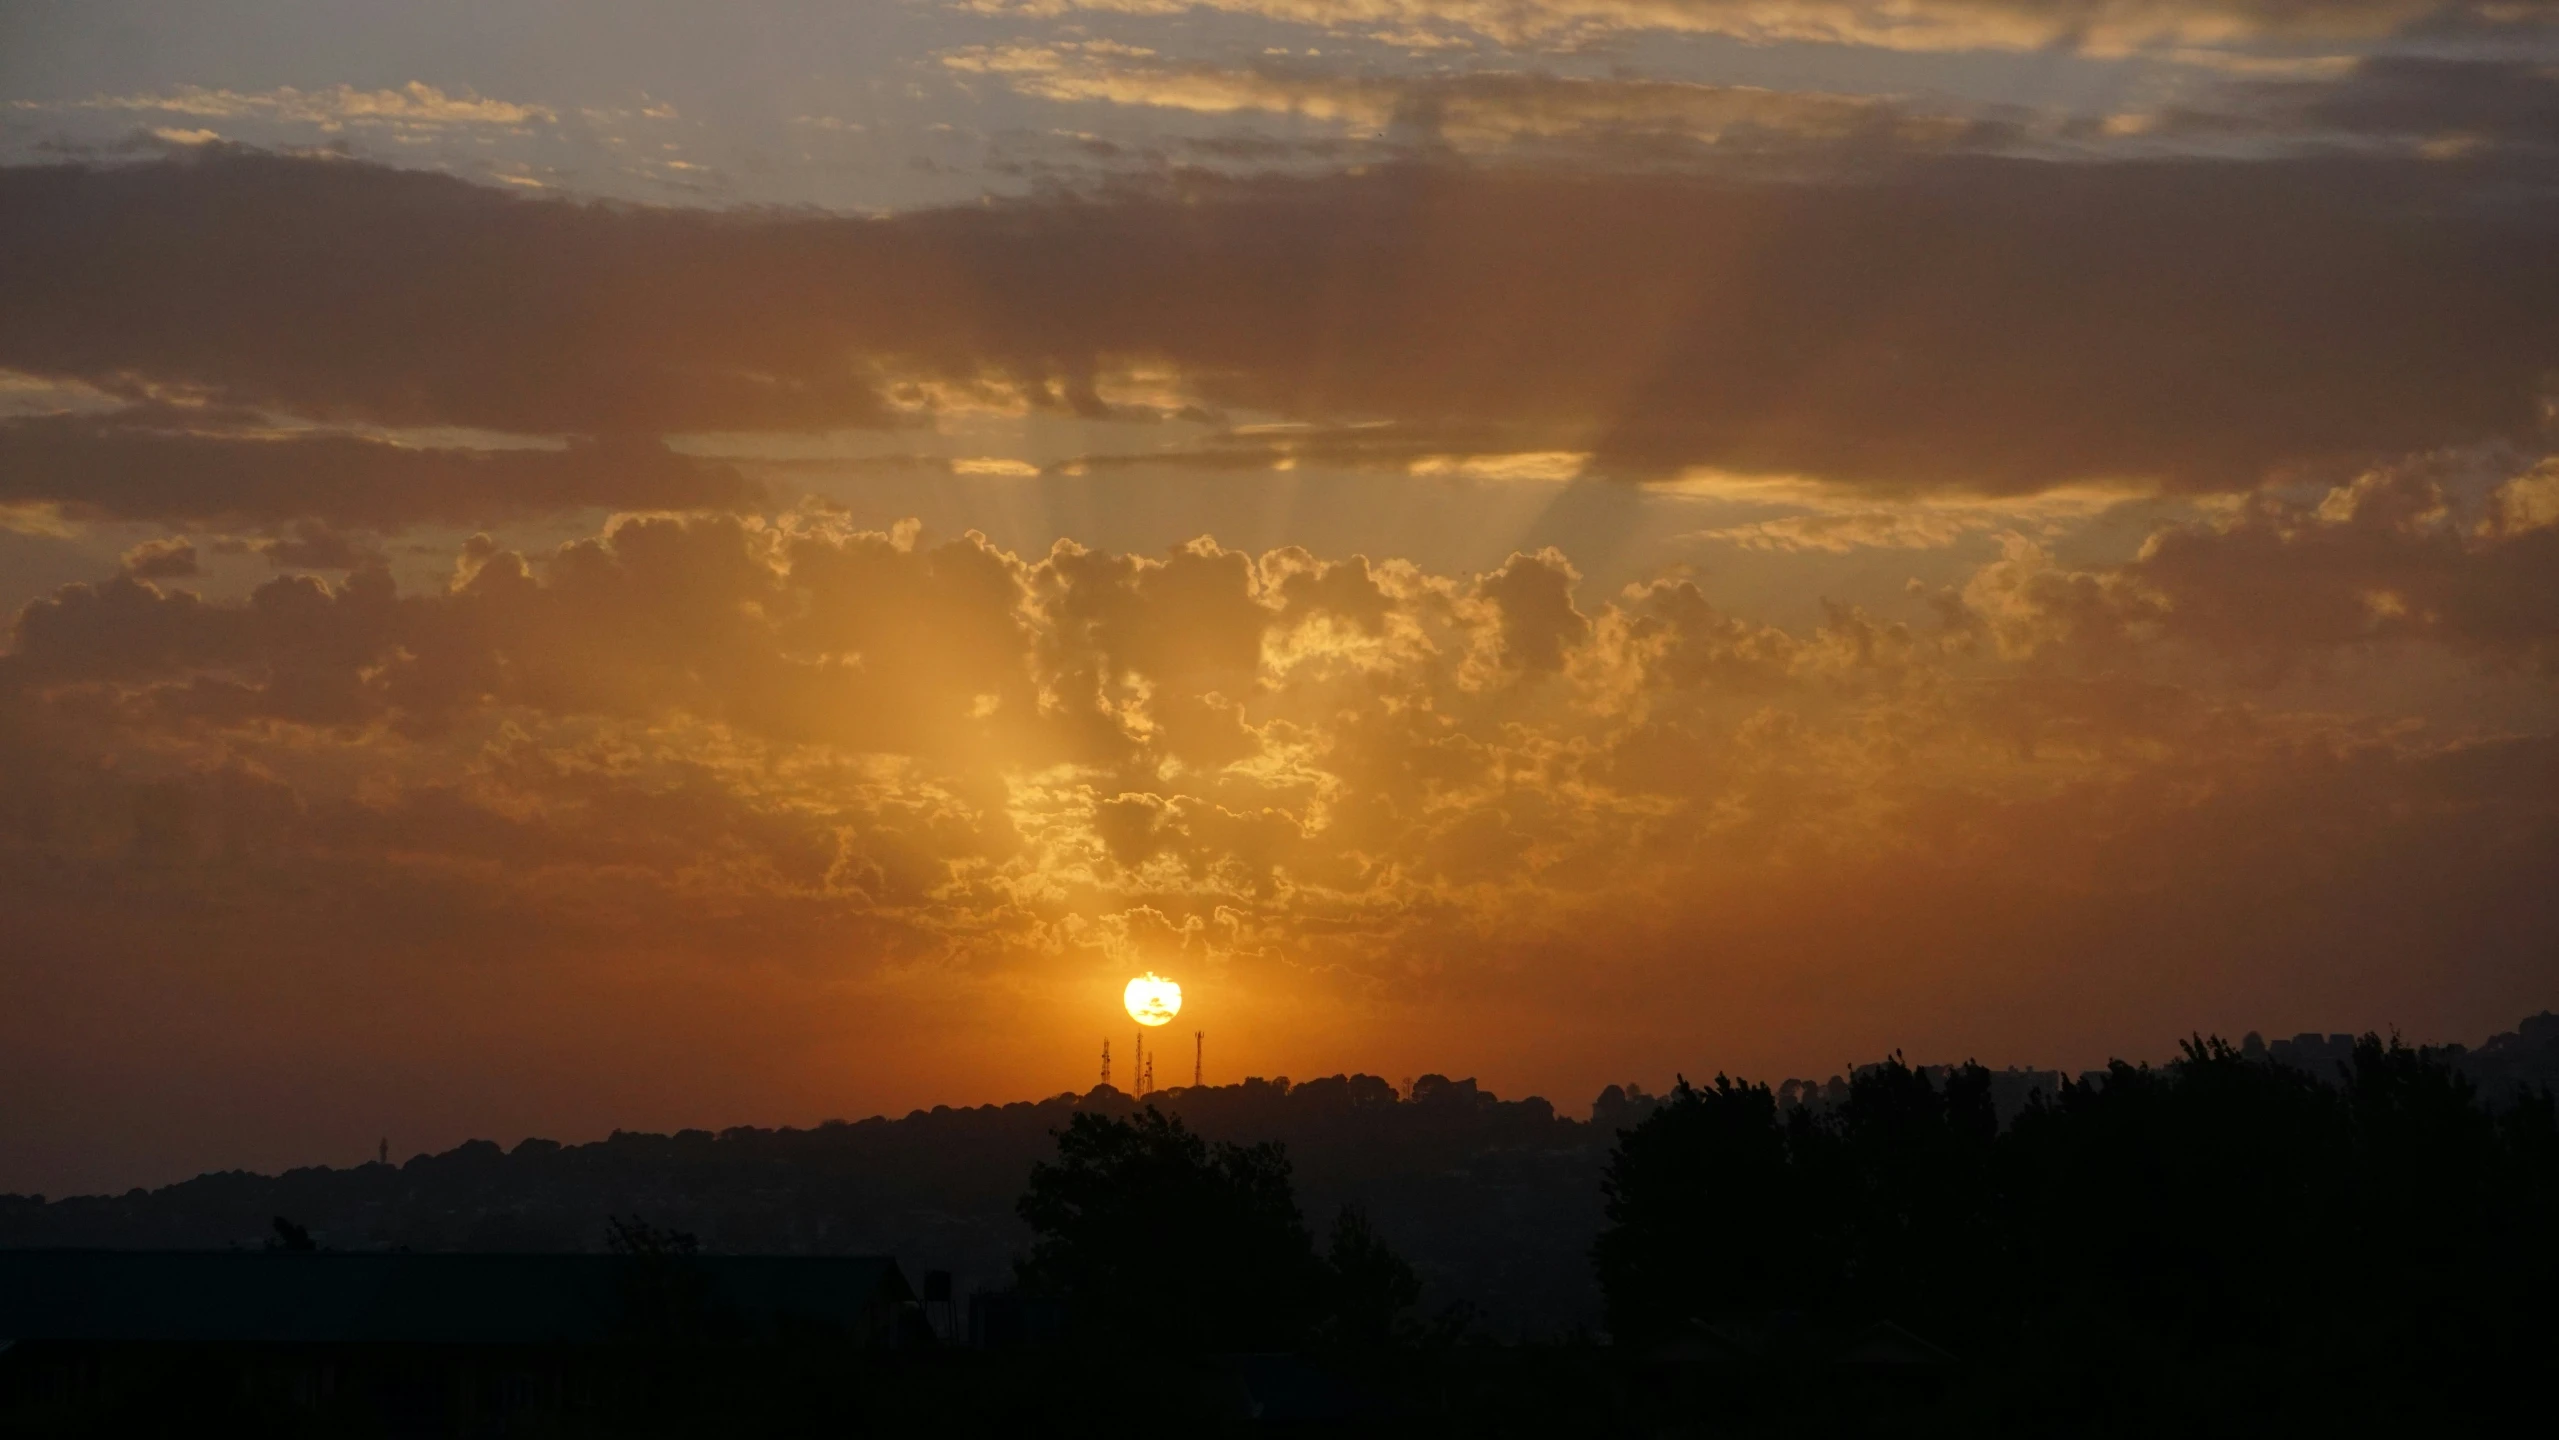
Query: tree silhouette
1367, 1285
1154, 1235
1701, 1203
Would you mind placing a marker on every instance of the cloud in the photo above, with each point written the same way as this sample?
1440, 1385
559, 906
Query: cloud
316, 546
414, 104
172, 559
2454, 550
2497, 94
407, 299
1534, 596
1552, 466
2097, 26
162, 464
2389, 556
1346, 736
2454, 105
1968, 324
1837, 520
2529, 501
993, 465
1841, 533
1473, 112
2504, 93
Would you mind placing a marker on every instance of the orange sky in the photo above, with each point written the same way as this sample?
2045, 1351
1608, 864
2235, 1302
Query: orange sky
1807, 542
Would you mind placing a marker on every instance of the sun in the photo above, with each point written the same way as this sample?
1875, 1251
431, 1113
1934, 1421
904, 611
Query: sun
1152, 999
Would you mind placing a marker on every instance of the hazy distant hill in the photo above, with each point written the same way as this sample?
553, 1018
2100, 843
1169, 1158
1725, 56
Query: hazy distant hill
1495, 1201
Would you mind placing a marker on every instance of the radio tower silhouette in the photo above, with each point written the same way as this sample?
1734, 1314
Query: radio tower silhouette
1137, 1065
1146, 1086
1199, 1048
1106, 1062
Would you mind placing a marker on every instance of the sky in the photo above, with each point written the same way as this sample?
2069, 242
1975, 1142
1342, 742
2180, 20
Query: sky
591, 564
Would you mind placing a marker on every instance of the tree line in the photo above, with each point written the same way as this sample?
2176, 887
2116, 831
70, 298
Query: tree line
2220, 1236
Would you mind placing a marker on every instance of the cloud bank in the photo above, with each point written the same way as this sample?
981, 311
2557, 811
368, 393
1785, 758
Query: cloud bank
1967, 323
833, 772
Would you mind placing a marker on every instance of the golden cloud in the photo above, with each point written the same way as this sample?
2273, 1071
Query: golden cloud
960, 741
1480, 111
811, 785
2096, 26
414, 104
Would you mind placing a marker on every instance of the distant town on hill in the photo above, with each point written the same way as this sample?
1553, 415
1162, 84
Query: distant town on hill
1496, 1202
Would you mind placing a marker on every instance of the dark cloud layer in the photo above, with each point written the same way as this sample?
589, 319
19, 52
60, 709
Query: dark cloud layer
2504, 99
1986, 324
122, 467
2455, 105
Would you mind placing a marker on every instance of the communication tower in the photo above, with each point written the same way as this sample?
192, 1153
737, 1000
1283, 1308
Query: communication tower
1199, 1049
1137, 1066
1106, 1061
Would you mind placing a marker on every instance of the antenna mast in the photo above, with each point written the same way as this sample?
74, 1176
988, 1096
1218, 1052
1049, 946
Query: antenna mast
1106, 1060
1199, 1050
1137, 1066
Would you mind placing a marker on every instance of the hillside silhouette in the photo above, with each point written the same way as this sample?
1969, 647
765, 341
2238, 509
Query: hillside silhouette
1494, 1201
